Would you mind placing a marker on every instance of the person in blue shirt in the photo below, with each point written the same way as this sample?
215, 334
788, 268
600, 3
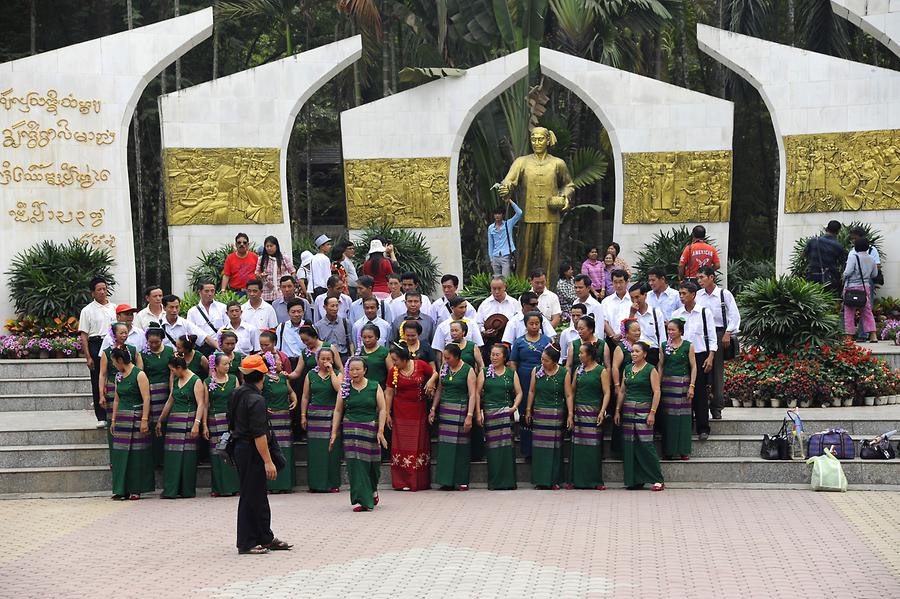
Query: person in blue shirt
500, 239
825, 257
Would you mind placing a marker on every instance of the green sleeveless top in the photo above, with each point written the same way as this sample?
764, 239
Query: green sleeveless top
110, 369
678, 363
362, 406
218, 398
276, 392
454, 388
638, 387
156, 366
184, 400
377, 364
321, 393
195, 365
468, 353
589, 387
626, 355
499, 390
236, 358
550, 391
130, 392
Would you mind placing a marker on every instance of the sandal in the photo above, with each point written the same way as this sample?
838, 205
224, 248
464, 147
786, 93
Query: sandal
134, 497
258, 550
685, 458
334, 490
600, 488
278, 545
658, 487
360, 508
376, 498
569, 486
462, 488
554, 487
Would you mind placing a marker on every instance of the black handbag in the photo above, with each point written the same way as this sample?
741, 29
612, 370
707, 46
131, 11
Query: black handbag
734, 348
876, 451
275, 450
777, 446
856, 298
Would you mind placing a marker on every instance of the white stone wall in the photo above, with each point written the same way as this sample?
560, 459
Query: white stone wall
255, 108
807, 92
112, 70
642, 114
878, 18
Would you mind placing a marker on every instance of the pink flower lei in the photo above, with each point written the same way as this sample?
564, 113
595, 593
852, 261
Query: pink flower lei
669, 349
119, 377
579, 371
540, 373
270, 360
491, 372
345, 387
445, 370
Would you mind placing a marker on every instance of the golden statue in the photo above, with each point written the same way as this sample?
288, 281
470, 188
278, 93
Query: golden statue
547, 186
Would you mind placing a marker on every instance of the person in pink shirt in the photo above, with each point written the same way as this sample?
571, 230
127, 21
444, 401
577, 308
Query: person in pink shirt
594, 268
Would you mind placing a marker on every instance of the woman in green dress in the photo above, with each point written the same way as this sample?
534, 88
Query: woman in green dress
590, 389
118, 332
132, 462
678, 371
586, 327
497, 398
227, 342
621, 358
377, 357
360, 410
455, 396
636, 407
155, 358
184, 415
197, 362
280, 400
471, 355
220, 385
545, 413
310, 338
320, 391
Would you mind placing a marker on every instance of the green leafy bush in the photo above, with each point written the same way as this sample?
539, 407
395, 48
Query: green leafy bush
798, 259
742, 271
300, 245
192, 298
51, 279
479, 287
663, 250
782, 314
412, 252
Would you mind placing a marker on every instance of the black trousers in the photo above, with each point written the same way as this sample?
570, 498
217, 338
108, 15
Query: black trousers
254, 518
700, 404
93, 350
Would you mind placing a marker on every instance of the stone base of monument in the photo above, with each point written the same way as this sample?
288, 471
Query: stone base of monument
49, 443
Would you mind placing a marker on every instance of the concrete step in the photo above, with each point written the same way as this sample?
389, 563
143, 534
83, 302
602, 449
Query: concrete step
55, 369
44, 386
47, 402
54, 456
859, 420
80, 479
63, 427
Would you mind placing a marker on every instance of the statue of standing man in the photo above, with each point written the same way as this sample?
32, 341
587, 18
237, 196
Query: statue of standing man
546, 185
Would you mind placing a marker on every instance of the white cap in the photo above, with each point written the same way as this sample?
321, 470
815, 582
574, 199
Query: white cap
321, 239
306, 257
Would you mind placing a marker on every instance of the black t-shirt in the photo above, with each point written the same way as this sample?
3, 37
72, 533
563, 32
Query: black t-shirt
825, 252
247, 417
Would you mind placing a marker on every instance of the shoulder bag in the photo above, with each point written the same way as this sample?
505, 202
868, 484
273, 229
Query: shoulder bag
856, 298
868, 450
777, 446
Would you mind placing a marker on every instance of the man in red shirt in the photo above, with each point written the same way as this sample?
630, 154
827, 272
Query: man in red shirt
240, 265
697, 254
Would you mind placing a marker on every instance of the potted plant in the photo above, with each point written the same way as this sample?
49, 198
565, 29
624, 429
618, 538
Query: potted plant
739, 389
891, 331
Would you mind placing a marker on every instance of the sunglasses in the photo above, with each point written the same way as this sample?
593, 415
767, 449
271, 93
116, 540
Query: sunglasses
243, 243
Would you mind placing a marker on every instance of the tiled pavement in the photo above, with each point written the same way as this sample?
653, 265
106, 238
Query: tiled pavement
680, 543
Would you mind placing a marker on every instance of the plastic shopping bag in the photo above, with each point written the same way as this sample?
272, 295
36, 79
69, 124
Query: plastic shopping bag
827, 473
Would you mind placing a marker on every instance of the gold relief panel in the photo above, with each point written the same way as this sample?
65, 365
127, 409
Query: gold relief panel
411, 192
834, 172
677, 187
223, 186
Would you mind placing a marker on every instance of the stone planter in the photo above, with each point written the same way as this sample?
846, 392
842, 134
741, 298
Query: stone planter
760, 403
44, 354
869, 400
747, 404
893, 400
792, 403
848, 402
735, 403
881, 400
776, 403
805, 403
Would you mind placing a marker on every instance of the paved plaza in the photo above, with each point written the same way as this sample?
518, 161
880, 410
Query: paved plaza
679, 543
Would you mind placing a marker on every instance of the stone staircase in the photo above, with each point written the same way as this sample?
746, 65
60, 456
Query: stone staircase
49, 442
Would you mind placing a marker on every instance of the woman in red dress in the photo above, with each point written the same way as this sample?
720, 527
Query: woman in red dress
408, 382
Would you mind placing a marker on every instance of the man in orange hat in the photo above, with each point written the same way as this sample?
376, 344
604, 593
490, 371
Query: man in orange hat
248, 423
125, 314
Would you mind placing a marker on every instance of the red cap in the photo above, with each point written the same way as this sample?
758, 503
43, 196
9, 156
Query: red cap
122, 308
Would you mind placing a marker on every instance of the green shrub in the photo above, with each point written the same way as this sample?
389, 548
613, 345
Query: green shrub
209, 267
412, 252
742, 271
192, 298
49, 279
663, 250
300, 245
782, 314
479, 287
798, 259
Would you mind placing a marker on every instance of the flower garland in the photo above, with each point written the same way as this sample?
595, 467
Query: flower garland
540, 373
669, 349
345, 387
213, 385
119, 377
491, 372
270, 360
445, 370
396, 377
579, 371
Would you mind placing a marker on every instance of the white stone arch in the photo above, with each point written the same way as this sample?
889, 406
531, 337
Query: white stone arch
878, 18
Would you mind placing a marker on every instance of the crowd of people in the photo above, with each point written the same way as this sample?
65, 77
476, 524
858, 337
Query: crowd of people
368, 374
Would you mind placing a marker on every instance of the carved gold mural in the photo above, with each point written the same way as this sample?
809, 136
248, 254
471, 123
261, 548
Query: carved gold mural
411, 192
831, 172
223, 186
677, 187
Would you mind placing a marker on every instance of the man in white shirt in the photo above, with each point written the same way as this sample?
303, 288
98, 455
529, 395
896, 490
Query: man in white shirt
364, 290
700, 330
570, 334
661, 295
582, 286
335, 288
247, 334
396, 303
371, 310
515, 328
125, 314
93, 325
174, 326
459, 307
154, 310
208, 315
653, 325
440, 310
499, 302
548, 302
257, 311
616, 307
409, 281
320, 267
728, 323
